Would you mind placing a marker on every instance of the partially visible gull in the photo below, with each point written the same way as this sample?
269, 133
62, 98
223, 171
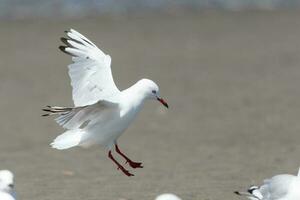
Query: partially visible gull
167, 196
279, 187
7, 185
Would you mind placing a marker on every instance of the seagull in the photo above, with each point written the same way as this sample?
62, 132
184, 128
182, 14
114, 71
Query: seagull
101, 112
167, 196
7, 185
279, 187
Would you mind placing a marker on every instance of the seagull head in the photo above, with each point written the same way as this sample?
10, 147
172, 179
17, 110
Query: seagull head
151, 91
6, 181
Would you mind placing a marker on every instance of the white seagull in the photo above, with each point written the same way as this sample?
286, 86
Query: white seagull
101, 112
7, 185
279, 187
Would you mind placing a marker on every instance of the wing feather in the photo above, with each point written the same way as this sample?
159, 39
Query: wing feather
77, 38
277, 187
82, 36
90, 72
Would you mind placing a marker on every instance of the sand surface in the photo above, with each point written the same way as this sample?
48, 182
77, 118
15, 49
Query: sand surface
232, 81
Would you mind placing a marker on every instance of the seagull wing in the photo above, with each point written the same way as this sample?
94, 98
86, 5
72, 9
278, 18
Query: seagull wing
90, 72
277, 187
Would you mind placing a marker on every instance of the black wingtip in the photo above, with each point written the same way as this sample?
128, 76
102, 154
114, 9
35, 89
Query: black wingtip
45, 115
62, 48
237, 192
64, 40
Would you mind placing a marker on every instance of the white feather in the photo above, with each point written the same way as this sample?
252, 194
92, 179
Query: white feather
82, 36
91, 71
68, 139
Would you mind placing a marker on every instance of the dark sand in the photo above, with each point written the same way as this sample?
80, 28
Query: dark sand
231, 79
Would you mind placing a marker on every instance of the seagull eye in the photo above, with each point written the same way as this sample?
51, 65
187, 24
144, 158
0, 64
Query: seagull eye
153, 91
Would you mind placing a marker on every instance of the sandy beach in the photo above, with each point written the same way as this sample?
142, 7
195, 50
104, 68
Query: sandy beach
231, 79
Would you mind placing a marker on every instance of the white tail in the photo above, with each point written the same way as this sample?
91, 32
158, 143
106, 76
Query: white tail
298, 173
68, 139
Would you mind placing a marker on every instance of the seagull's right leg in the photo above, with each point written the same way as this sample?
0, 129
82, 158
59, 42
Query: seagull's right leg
131, 163
126, 172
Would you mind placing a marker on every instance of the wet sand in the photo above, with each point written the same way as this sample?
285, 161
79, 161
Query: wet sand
231, 80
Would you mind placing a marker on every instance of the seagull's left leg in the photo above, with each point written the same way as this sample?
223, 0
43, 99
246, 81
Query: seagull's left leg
131, 163
126, 172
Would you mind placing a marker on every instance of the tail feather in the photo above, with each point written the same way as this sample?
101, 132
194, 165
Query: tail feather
68, 139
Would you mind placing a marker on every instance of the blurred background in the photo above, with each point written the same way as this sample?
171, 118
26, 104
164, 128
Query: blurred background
229, 69
13, 9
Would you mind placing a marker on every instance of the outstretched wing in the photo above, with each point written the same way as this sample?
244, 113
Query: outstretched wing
80, 117
90, 72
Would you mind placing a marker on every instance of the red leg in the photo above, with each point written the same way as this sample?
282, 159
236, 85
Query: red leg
131, 163
126, 172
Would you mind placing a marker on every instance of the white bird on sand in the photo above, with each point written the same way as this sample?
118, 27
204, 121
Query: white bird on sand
279, 187
101, 112
167, 196
7, 185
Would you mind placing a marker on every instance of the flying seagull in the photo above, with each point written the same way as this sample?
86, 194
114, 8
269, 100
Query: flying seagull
7, 185
279, 187
101, 112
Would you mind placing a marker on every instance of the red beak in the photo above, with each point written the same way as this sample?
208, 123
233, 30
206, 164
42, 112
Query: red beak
163, 102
